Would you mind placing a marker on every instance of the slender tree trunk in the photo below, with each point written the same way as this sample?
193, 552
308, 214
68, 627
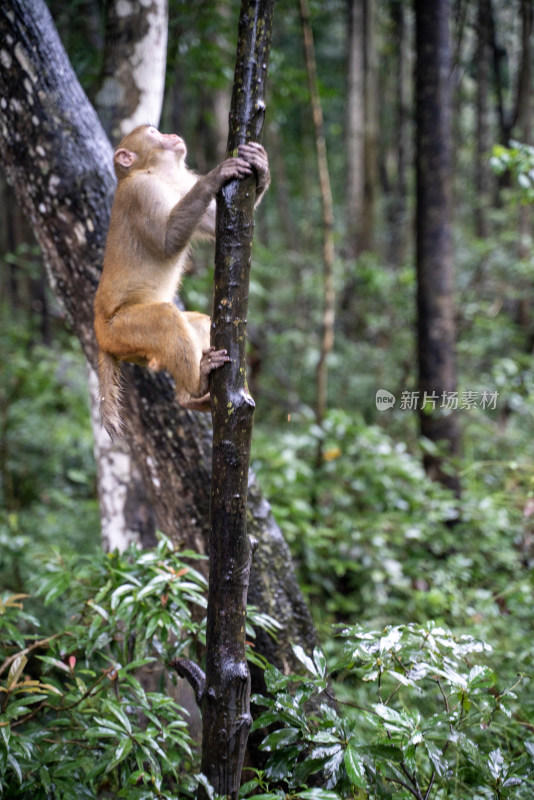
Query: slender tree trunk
399, 212
436, 327
524, 122
226, 717
483, 144
355, 128
327, 340
370, 189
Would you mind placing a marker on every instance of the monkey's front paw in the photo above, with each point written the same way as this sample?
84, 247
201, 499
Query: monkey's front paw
256, 155
212, 359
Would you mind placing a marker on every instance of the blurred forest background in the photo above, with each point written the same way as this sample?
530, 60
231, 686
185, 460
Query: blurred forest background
375, 540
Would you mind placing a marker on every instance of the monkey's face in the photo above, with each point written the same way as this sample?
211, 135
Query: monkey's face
166, 141
147, 146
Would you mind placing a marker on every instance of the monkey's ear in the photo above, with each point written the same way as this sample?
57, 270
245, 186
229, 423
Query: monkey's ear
124, 158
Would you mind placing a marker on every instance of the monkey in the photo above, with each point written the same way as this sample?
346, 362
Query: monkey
160, 205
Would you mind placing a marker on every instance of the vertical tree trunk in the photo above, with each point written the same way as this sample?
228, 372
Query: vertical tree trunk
131, 91
355, 127
399, 227
483, 143
524, 120
327, 339
370, 189
133, 73
226, 717
436, 327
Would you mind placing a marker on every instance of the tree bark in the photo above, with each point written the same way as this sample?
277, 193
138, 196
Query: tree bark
327, 338
226, 717
131, 92
355, 141
59, 160
436, 326
400, 230
483, 144
133, 73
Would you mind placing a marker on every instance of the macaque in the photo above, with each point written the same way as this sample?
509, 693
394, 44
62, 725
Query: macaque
159, 206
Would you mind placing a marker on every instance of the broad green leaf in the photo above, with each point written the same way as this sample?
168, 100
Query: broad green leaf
121, 753
390, 715
16, 669
355, 766
304, 659
5, 731
55, 662
281, 763
515, 781
99, 609
126, 588
320, 662
279, 738
267, 796
496, 763
15, 766
480, 677
121, 716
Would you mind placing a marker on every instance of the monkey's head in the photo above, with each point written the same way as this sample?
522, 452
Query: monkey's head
146, 145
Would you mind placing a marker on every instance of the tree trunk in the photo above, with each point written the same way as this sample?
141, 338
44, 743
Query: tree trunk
483, 144
436, 327
131, 91
327, 338
524, 122
400, 232
355, 128
59, 160
226, 717
370, 188
133, 73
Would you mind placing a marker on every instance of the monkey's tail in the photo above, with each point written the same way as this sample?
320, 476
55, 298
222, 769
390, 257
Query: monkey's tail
109, 375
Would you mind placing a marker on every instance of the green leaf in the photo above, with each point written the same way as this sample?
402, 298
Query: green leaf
280, 738
16, 669
121, 716
480, 677
5, 730
318, 794
15, 766
121, 753
55, 662
320, 662
126, 588
304, 659
496, 763
267, 796
391, 716
355, 765
281, 763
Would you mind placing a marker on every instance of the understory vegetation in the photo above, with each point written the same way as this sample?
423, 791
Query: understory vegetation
422, 684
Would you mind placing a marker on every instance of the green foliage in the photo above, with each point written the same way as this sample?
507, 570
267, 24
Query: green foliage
47, 471
426, 719
374, 538
85, 711
518, 160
